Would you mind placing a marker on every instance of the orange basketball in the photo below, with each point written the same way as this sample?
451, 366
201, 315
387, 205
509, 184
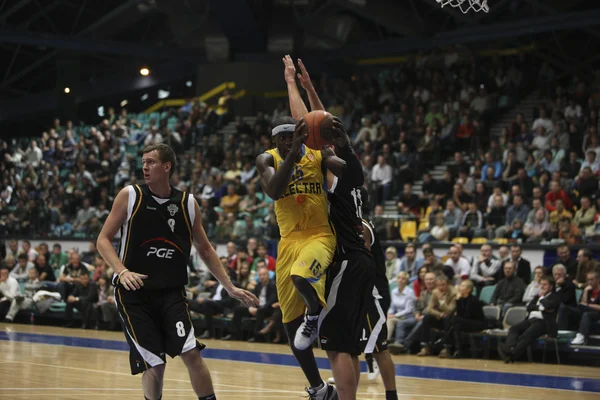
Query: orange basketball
320, 129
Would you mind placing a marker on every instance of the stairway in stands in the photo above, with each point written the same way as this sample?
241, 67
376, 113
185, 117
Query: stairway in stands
525, 106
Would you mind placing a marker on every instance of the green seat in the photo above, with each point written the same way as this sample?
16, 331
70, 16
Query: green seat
393, 285
59, 306
578, 293
486, 294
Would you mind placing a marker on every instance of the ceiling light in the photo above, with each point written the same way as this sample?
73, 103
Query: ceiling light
124, 103
67, 90
144, 97
144, 71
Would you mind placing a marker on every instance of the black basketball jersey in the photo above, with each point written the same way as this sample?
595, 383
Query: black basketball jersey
345, 205
156, 239
381, 281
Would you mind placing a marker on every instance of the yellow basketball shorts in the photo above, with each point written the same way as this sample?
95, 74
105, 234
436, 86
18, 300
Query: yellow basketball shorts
307, 254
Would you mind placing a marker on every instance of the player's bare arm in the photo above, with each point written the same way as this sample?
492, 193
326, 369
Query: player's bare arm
306, 82
332, 162
297, 106
114, 221
274, 183
367, 235
211, 259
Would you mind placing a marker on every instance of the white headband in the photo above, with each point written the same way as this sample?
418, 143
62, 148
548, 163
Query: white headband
283, 128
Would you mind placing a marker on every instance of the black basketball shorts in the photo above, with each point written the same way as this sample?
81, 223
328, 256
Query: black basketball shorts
348, 290
375, 327
155, 322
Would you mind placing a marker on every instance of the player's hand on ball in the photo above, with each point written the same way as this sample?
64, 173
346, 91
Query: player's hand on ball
304, 78
245, 297
340, 137
132, 281
289, 72
300, 135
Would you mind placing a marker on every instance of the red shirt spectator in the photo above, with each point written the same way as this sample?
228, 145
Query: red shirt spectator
557, 193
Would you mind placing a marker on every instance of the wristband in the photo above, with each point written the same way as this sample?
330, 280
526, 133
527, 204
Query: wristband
122, 272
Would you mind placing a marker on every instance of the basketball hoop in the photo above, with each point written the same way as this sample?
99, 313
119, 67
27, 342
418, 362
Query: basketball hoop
465, 5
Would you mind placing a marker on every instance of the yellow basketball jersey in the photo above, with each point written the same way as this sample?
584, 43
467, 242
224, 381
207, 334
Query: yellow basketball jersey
304, 204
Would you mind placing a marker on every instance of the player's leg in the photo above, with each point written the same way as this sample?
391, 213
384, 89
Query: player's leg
152, 382
180, 340
345, 374
388, 375
308, 275
305, 358
145, 340
199, 374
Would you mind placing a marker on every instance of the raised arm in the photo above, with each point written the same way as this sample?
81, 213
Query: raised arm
274, 182
211, 259
297, 106
313, 97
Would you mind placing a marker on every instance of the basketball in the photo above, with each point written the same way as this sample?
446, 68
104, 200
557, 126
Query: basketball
320, 129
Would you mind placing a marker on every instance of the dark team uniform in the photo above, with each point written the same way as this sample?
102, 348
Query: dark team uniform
156, 240
381, 299
351, 278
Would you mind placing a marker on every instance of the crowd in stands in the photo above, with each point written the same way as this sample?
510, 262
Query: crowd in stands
435, 299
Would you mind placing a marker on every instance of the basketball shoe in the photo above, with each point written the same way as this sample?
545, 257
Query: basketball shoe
307, 332
326, 392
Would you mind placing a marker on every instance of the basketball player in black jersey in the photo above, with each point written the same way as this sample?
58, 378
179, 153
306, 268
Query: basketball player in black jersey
350, 282
159, 224
379, 305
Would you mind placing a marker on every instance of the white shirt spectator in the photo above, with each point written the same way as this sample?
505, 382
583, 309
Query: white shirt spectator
6, 194
153, 138
491, 199
533, 289
381, 174
545, 122
21, 274
541, 142
461, 267
403, 303
9, 289
485, 269
572, 111
34, 155
595, 166
366, 133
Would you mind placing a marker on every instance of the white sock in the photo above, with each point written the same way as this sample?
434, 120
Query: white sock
312, 317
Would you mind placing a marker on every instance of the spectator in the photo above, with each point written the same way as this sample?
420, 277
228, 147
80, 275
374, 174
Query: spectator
589, 308
496, 215
21, 271
410, 263
585, 265
523, 266
9, 290
45, 272
557, 193
400, 313
381, 177
392, 263
563, 286
25, 301
452, 218
459, 265
419, 283
484, 269
262, 255
83, 298
106, 308
509, 291
219, 302
557, 214
518, 210
539, 229
533, 289
230, 202
71, 275
469, 317
568, 232
541, 320
590, 162
584, 217
440, 232
587, 183
28, 250
472, 222
267, 295
57, 258
565, 259
439, 309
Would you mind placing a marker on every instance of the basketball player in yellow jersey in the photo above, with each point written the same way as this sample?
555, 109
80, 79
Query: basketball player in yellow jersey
293, 175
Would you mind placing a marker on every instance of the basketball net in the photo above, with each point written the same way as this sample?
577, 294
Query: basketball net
465, 5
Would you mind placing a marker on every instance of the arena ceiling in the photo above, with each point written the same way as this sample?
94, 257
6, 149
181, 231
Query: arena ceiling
113, 38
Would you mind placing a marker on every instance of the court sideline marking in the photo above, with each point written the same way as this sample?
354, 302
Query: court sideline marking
577, 385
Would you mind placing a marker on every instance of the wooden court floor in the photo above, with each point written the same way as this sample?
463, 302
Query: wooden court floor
55, 363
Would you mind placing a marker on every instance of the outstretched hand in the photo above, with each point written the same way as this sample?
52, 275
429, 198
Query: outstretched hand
245, 297
304, 78
289, 71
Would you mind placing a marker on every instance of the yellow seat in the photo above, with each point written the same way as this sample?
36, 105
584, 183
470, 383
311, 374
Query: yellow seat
408, 230
424, 225
501, 240
479, 240
460, 240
